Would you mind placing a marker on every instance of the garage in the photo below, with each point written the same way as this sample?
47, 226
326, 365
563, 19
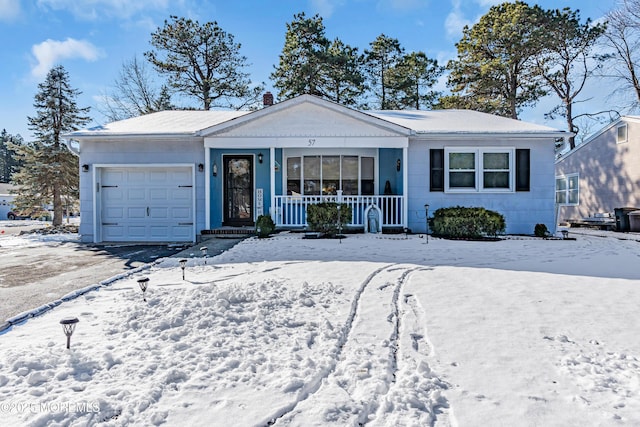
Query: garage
145, 204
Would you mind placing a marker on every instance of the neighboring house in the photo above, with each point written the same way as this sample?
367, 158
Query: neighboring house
601, 174
169, 175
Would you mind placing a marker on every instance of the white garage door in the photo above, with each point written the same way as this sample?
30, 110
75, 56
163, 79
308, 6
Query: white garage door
146, 204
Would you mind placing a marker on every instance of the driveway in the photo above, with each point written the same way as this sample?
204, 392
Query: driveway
35, 272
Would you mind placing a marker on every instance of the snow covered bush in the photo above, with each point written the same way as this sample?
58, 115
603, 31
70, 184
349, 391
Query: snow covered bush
472, 223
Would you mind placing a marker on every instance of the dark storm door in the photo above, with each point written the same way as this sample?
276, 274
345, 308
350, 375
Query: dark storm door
238, 190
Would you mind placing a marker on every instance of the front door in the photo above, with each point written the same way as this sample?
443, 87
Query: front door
238, 190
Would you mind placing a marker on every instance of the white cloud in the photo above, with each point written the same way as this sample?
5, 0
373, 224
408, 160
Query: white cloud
455, 21
9, 10
49, 52
324, 8
96, 9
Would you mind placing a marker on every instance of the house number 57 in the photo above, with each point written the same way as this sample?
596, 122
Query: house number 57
312, 142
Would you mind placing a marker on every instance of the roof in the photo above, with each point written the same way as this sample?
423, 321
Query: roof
459, 122
437, 122
172, 122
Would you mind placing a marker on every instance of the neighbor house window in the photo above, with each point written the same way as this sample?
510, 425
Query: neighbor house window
567, 190
325, 175
621, 135
476, 169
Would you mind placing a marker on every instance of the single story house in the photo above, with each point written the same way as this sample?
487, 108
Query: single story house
168, 176
601, 174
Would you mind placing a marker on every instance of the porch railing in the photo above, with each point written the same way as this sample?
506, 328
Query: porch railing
291, 211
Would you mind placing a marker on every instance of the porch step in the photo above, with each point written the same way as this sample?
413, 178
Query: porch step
228, 232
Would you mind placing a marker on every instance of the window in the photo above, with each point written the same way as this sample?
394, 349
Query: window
621, 135
325, 175
483, 169
462, 170
367, 176
567, 190
294, 171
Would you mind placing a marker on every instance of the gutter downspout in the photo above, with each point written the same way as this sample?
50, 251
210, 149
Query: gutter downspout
75, 151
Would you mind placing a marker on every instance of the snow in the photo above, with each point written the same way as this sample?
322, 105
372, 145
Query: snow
374, 329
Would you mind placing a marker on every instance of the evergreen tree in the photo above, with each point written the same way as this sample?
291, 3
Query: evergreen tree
202, 61
495, 71
301, 69
50, 171
383, 56
343, 80
413, 78
8, 161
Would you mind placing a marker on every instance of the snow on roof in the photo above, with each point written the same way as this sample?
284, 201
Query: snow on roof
458, 121
163, 122
190, 122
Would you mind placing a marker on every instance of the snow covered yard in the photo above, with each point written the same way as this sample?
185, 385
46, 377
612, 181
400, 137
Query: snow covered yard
374, 330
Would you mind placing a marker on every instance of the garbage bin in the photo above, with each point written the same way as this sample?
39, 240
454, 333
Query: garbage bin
622, 218
634, 221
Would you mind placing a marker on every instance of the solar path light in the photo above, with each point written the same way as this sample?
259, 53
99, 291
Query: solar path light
68, 326
204, 250
143, 283
183, 265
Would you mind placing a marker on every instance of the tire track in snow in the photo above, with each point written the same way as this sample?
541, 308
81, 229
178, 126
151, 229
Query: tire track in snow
313, 386
350, 391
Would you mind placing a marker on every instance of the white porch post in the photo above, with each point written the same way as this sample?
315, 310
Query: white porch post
405, 187
272, 177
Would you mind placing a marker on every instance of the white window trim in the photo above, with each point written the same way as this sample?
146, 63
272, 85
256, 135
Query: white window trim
479, 169
567, 189
626, 133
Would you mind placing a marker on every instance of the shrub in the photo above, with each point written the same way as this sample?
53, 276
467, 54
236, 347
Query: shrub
265, 226
541, 230
323, 217
461, 222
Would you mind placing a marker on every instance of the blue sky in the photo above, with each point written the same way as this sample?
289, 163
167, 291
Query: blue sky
92, 38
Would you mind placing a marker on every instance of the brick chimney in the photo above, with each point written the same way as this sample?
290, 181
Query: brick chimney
267, 99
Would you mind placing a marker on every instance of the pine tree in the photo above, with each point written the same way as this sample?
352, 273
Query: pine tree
384, 55
8, 161
413, 79
49, 174
343, 80
202, 61
495, 71
303, 58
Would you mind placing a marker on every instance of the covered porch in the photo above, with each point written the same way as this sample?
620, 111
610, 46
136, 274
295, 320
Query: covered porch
301, 152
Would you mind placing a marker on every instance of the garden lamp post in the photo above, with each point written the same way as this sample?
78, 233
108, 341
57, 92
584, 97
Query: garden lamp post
68, 326
426, 209
204, 250
143, 286
183, 265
